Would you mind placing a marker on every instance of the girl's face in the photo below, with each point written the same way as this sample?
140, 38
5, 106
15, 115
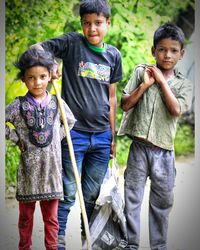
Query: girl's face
167, 53
95, 28
36, 79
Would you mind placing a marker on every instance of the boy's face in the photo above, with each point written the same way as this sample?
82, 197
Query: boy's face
167, 53
95, 28
36, 79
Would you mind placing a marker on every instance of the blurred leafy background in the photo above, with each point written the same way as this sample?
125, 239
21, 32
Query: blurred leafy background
133, 23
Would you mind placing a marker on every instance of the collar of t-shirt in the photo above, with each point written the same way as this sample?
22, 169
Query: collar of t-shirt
95, 48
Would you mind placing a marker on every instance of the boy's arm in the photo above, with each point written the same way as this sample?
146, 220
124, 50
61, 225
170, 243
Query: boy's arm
56, 67
170, 100
112, 115
129, 101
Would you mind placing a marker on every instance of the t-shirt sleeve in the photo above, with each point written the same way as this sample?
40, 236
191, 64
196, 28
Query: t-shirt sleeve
58, 46
136, 78
184, 96
116, 72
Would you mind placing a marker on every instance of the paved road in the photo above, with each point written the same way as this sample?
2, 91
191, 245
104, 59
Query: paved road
184, 224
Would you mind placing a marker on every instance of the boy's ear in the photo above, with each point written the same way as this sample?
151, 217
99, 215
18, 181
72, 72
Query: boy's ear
50, 75
182, 54
108, 22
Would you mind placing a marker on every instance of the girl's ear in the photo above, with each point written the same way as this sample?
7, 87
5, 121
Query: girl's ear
153, 51
22, 79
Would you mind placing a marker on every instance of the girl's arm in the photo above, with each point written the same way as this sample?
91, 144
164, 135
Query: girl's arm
11, 133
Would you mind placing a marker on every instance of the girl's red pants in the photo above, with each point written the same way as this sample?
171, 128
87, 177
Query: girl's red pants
25, 224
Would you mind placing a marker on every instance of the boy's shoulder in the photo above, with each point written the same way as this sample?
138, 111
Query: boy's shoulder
179, 74
111, 49
73, 35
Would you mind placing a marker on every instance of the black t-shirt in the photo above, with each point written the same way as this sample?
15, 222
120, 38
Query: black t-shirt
86, 76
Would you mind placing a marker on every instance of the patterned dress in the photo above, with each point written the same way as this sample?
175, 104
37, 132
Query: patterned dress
38, 132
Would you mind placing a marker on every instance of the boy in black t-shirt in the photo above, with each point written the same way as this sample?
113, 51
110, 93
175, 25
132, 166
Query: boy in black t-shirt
90, 71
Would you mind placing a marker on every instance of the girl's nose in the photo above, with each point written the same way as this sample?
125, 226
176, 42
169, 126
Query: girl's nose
38, 81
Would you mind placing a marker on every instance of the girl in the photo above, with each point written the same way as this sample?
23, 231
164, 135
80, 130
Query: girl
38, 132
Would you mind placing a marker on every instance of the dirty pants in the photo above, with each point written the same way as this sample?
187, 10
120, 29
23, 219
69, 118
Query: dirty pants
144, 161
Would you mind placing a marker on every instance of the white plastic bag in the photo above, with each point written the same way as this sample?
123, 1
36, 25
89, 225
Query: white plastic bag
108, 223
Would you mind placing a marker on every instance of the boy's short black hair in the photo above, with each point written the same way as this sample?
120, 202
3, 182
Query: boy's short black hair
169, 30
94, 6
34, 57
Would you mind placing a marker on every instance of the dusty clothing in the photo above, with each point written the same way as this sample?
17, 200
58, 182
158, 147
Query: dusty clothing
40, 169
87, 74
150, 118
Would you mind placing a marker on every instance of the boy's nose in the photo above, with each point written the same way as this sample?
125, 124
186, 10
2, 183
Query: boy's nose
92, 26
168, 54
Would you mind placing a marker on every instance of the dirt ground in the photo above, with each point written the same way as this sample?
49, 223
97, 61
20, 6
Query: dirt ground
184, 226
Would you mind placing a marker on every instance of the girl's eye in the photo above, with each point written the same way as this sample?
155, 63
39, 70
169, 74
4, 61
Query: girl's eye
43, 77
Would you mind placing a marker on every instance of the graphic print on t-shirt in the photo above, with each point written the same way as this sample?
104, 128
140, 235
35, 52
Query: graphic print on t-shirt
95, 71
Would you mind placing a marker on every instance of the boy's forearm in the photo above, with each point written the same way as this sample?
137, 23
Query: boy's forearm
170, 100
128, 102
113, 105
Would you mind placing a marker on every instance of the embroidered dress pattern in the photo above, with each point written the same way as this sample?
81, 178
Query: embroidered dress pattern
39, 120
39, 175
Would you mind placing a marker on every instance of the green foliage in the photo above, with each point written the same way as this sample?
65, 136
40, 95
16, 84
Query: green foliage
132, 26
184, 141
12, 162
29, 22
122, 149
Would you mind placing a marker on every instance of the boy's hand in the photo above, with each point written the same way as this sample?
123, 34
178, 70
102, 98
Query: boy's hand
112, 150
157, 74
148, 77
56, 71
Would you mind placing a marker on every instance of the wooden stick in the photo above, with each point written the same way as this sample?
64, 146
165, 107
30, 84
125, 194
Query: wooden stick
75, 170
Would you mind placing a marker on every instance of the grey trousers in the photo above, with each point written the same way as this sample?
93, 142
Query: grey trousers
144, 161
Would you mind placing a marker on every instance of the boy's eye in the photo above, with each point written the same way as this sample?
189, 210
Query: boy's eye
175, 51
98, 23
86, 23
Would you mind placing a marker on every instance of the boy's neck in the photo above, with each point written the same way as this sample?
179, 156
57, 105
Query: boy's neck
167, 73
95, 48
